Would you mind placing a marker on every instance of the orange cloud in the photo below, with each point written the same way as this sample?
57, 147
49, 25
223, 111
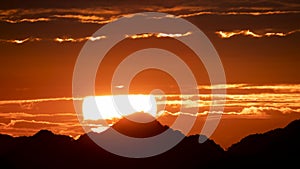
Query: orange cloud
20, 41
228, 34
224, 34
102, 15
85, 18
32, 20
58, 39
97, 16
21, 115
158, 35
2, 102
247, 112
254, 13
14, 122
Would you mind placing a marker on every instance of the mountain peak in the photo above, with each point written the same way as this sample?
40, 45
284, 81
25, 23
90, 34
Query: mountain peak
44, 133
139, 125
140, 117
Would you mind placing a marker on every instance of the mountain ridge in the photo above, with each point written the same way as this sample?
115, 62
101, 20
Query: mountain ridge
48, 150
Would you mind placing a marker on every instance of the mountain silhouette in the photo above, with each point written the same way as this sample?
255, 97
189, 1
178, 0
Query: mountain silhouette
187, 153
139, 125
274, 148
48, 150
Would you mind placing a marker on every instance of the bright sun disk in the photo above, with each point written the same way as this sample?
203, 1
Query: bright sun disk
109, 107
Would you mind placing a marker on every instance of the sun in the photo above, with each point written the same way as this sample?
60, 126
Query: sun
117, 106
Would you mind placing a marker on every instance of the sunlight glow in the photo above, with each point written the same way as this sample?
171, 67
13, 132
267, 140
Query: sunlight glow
109, 107
226, 35
158, 35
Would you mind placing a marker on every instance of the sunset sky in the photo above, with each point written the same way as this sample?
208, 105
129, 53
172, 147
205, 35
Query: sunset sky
257, 41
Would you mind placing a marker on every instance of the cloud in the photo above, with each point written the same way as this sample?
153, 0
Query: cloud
253, 13
40, 123
154, 5
247, 112
86, 18
22, 115
91, 38
83, 16
38, 105
220, 86
158, 35
52, 11
60, 40
235, 101
21, 123
3, 102
276, 87
223, 34
290, 88
241, 99
57, 39
229, 34
166, 113
20, 41
186, 102
31, 20
268, 111
102, 14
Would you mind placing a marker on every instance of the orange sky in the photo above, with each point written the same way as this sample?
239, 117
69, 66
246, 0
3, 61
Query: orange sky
40, 42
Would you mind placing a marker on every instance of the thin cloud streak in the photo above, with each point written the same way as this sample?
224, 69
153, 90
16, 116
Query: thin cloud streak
58, 39
229, 34
3, 102
158, 35
39, 11
91, 38
14, 122
20, 115
102, 16
249, 112
20, 41
31, 20
253, 13
88, 15
280, 87
89, 18
94, 19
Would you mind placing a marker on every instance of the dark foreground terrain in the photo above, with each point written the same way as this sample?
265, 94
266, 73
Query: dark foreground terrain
45, 150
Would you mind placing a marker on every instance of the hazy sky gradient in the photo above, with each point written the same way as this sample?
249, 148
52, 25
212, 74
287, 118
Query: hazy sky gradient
40, 41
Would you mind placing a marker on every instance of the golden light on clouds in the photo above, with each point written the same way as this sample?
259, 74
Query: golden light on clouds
103, 16
158, 35
242, 101
253, 13
87, 18
221, 34
58, 39
20, 41
31, 20
229, 34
